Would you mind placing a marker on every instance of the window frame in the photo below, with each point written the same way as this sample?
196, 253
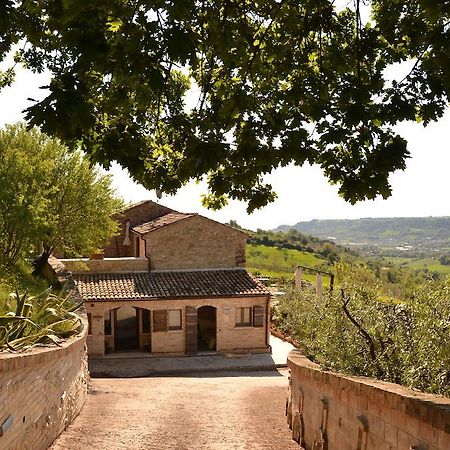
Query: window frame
241, 322
173, 327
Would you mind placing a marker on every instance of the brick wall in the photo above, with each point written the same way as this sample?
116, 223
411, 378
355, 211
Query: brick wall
43, 391
229, 337
107, 265
195, 243
141, 213
361, 413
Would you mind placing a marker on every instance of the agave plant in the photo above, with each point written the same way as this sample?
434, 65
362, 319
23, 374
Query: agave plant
46, 318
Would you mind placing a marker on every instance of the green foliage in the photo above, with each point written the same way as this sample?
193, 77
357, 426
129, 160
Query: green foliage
26, 321
294, 240
281, 262
360, 329
280, 82
50, 197
445, 260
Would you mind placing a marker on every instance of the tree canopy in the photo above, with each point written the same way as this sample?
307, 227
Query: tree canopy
278, 82
50, 198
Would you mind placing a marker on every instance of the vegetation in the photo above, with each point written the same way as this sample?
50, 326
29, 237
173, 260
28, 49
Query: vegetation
422, 235
35, 316
46, 318
427, 265
50, 198
275, 262
278, 81
361, 329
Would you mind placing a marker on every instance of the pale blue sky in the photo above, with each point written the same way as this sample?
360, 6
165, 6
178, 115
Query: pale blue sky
303, 193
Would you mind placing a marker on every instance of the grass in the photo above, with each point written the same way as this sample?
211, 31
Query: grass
280, 259
274, 262
431, 264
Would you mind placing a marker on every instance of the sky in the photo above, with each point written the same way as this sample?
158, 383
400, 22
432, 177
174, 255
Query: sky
303, 193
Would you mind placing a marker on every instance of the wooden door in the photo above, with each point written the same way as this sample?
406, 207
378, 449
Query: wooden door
191, 330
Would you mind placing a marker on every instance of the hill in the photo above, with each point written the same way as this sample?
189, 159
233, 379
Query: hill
401, 234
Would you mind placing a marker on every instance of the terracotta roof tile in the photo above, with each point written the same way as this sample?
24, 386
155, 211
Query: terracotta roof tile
162, 221
168, 285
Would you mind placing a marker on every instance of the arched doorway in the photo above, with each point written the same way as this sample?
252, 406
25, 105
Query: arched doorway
126, 329
206, 329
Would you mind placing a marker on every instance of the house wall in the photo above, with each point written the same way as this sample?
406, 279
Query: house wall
229, 337
364, 414
195, 243
106, 265
42, 390
138, 214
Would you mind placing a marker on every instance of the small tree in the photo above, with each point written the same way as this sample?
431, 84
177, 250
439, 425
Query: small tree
50, 198
445, 259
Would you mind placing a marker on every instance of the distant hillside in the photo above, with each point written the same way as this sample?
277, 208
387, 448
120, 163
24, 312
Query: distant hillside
400, 233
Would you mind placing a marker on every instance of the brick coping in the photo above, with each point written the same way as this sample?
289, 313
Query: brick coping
430, 408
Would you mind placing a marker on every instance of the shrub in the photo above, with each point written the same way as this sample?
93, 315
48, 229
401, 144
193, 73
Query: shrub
361, 330
26, 321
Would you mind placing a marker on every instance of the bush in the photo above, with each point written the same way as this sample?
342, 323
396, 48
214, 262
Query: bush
43, 319
362, 331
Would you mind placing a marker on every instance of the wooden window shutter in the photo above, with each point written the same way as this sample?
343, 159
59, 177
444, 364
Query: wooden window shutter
258, 316
160, 320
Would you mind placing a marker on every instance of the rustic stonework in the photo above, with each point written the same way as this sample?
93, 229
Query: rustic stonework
363, 413
107, 265
195, 243
139, 213
229, 337
42, 390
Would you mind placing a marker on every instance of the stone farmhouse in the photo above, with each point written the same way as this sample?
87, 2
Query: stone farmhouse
172, 283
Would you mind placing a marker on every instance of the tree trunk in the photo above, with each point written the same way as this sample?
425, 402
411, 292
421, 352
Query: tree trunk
40, 262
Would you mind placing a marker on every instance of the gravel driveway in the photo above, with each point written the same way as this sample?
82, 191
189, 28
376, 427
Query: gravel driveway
225, 410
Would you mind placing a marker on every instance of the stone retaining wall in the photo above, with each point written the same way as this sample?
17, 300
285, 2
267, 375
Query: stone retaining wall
41, 392
345, 412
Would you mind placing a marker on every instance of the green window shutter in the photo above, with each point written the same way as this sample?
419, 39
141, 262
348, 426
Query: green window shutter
160, 320
258, 316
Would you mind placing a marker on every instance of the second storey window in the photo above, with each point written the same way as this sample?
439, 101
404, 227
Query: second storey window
243, 317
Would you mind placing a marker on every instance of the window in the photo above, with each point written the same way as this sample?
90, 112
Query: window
174, 319
243, 317
250, 317
145, 321
107, 319
164, 320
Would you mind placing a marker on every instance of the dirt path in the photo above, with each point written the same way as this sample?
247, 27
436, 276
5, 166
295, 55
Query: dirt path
240, 410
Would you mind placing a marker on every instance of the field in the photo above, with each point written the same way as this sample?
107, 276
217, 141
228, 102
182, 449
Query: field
274, 262
432, 264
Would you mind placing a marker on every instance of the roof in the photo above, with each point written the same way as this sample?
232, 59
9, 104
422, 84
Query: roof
169, 285
159, 222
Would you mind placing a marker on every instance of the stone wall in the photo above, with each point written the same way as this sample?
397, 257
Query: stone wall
42, 391
195, 243
140, 213
361, 413
106, 265
229, 337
